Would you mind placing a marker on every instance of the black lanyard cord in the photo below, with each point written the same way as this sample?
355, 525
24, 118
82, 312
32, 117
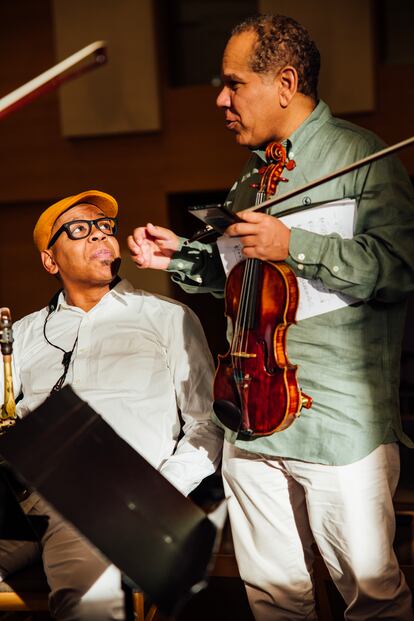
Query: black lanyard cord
67, 355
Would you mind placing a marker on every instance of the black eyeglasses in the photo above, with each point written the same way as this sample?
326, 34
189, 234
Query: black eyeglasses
78, 229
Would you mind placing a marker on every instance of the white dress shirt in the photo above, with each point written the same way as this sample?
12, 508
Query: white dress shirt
140, 361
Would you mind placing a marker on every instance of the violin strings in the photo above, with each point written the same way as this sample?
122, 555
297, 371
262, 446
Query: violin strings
241, 314
242, 319
241, 323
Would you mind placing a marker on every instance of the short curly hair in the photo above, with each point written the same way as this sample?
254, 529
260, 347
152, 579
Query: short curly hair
283, 41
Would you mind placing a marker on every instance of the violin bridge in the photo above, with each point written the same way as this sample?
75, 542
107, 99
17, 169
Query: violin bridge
243, 354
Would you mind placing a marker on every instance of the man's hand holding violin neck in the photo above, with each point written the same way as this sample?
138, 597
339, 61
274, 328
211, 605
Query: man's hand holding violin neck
263, 236
152, 246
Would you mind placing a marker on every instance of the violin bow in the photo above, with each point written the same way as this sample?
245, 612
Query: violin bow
336, 173
89, 57
208, 230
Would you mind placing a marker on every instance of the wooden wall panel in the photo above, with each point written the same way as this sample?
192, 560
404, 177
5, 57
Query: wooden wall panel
123, 95
343, 32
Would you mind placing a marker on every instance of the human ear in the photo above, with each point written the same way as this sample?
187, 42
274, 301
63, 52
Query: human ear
49, 262
288, 80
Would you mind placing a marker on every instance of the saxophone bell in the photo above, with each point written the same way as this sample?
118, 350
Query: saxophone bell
8, 410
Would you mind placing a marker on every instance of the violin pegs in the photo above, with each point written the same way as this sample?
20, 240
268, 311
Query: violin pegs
290, 164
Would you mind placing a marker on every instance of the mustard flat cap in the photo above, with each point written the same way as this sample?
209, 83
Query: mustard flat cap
43, 230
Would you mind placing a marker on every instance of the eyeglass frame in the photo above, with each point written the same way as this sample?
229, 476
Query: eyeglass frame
90, 223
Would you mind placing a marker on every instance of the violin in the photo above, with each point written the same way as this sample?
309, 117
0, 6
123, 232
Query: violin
256, 390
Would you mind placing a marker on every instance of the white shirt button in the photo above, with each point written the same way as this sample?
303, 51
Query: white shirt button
301, 256
335, 268
300, 266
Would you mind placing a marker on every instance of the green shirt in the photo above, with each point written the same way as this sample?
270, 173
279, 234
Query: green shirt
349, 358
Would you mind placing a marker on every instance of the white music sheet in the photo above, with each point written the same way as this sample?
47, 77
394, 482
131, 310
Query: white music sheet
314, 298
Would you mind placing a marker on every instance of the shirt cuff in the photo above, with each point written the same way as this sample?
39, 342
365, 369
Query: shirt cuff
181, 265
305, 252
177, 260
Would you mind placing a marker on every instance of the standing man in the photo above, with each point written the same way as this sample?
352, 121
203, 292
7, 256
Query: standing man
139, 360
331, 476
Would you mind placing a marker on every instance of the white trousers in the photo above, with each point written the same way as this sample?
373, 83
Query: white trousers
279, 507
84, 586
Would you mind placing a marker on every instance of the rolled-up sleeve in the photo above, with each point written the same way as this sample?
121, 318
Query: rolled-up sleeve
378, 262
197, 268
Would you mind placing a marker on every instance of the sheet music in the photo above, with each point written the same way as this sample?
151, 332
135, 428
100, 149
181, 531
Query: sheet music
314, 297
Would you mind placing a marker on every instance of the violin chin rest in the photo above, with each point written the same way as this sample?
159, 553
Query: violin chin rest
228, 413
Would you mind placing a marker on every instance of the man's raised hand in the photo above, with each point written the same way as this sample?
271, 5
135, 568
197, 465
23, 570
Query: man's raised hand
152, 246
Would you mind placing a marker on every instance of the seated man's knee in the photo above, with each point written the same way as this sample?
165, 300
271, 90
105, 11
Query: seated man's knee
104, 601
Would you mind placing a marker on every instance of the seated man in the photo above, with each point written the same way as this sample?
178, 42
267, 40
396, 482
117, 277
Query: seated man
137, 359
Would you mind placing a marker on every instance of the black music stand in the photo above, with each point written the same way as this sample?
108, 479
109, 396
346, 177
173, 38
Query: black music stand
157, 537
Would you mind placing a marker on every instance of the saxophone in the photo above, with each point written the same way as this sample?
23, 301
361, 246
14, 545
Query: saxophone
8, 417
8, 410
